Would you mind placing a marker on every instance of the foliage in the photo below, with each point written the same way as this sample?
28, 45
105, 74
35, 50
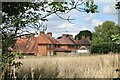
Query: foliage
105, 38
118, 4
104, 32
85, 33
17, 17
116, 38
105, 47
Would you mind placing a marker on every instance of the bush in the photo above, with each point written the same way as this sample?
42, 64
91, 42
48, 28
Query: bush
105, 47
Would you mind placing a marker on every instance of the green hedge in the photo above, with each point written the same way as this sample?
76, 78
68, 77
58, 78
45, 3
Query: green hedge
105, 47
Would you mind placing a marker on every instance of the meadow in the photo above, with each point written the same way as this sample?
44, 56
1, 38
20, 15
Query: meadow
84, 66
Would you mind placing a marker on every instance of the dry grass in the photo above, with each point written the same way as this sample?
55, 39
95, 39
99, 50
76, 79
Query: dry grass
89, 66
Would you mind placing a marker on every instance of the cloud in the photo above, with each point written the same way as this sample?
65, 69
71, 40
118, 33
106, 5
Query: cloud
89, 17
84, 28
96, 22
65, 26
109, 9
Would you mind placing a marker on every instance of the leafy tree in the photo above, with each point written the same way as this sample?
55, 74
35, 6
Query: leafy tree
116, 38
105, 38
105, 47
84, 33
18, 16
104, 32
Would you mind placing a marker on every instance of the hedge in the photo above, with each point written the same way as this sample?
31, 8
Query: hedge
105, 47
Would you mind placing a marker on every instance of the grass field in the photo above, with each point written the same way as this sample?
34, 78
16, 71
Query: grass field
86, 66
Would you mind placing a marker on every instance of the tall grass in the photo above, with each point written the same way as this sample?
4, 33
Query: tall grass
89, 66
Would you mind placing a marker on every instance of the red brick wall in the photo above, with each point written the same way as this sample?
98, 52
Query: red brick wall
42, 50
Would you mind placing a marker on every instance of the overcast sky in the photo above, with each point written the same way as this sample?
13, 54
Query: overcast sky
83, 21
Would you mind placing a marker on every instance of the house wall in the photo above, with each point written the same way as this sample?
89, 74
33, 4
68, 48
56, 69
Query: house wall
50, 51
64, 47
42, 50
71, 48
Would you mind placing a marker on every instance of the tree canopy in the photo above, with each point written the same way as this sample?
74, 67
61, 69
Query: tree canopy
84, 33
106, 38
104, 32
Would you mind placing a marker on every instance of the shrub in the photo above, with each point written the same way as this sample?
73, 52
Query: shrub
105, 47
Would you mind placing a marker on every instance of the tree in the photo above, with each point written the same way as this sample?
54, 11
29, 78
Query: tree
116, 38
18, 16
104, 32
105, 47
105, 38
84, 33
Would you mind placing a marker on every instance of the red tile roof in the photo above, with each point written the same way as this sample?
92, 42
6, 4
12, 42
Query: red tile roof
20, 44
31, 46
84, 41
46, 39
66, 40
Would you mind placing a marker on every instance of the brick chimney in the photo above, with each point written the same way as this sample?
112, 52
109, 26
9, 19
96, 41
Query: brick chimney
63, 35
71, 36
23, 36
32, 34
76, 39
50, 34
41, 32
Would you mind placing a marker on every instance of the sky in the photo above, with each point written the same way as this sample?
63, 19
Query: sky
82, 20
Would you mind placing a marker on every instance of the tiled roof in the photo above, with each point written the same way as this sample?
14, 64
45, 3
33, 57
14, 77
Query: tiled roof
85, 41
41, 39
46, 39
20, 44
31, 46
66, 40
51, 39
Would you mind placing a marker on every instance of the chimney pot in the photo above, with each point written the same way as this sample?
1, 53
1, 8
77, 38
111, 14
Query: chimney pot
41, 32
23, 36
71, 36
50, 34
63, 35
32, 34
76, 38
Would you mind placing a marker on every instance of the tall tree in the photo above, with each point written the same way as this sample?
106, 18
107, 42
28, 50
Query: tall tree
104, 32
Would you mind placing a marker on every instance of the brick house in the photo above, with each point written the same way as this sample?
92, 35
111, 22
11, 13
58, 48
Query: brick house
67, 42
45, 44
